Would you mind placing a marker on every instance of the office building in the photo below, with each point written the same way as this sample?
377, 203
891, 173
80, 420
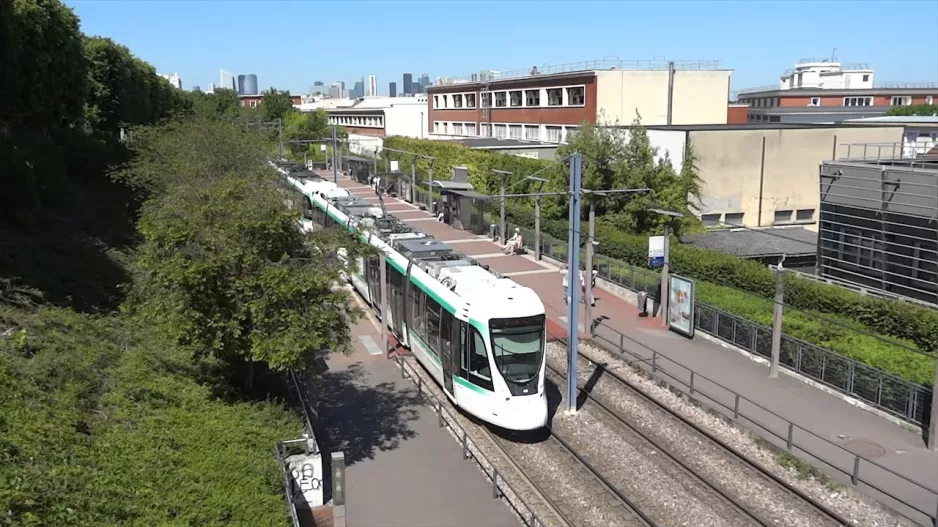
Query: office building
824, 90
372, 86
392, 89
547, 106
358, 90
879, 221
424, 81
408, 84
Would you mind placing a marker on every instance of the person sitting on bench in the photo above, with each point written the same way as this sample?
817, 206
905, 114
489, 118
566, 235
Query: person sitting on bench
515, 243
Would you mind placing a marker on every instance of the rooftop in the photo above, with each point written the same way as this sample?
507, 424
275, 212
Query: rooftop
609, 63
887, 88
758, 243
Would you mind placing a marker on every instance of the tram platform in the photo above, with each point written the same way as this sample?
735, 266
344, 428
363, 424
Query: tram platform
402, 469
830, 418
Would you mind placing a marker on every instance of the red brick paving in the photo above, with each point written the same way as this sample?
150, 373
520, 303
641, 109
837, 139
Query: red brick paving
511, 264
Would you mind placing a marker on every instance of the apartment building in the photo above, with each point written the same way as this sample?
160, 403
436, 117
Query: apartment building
550, 103
826, 91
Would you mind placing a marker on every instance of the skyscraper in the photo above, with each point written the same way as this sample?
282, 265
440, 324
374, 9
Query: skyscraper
372, 86
408, 84
358, 90
424, 81
250, 84
392, 89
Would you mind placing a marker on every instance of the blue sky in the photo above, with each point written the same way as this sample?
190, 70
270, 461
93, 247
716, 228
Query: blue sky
290, 45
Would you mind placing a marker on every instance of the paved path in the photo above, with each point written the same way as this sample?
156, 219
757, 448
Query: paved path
828, 417
403, 470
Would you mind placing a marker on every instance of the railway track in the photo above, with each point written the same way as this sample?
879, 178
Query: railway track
547, 475
750, 509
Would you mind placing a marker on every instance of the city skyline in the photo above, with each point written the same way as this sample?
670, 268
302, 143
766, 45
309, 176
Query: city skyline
751, 50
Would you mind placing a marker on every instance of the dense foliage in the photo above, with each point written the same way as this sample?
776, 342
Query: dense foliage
223, 266
875, 331
104, 423
276, 104
139, 417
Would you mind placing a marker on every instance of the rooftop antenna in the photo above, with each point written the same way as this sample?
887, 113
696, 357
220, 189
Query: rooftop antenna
834, 55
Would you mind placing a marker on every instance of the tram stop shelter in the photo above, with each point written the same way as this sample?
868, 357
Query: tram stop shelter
462, 206
358, 168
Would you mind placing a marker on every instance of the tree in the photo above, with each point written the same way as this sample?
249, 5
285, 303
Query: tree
190, 150
224, 267
918, 109
276, 104
44, 82
614, 158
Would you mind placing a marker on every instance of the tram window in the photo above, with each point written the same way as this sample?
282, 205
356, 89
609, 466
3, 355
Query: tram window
446, 337
479, 372
308, 208
420, 314
433, 325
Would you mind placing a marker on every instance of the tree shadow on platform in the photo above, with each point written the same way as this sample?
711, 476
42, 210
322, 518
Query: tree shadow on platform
360, 418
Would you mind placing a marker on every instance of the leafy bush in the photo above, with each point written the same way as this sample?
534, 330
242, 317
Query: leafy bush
104, 423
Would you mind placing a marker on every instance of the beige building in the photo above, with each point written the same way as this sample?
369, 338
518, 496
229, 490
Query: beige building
764, 175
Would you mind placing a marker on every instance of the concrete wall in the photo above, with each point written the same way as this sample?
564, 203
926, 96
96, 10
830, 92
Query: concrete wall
730, 164
408, 120
700, 97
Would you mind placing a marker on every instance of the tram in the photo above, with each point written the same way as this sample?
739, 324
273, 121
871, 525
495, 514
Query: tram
481, 336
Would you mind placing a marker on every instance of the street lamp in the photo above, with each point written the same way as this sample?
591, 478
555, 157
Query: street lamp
667, 254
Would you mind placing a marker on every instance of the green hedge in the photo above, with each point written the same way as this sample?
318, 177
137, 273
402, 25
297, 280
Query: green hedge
721, 277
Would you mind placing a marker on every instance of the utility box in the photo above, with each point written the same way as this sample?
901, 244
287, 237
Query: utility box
642, 304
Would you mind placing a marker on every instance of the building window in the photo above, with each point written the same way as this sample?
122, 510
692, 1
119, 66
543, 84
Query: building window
501, 131
858, 101
470, 100
436, 127
487, 100
532, 98
782, 216
553, 133
515, 97
815, 101
554, 97
457, 101
436, 101
900, 100
576, 96
804, 215
570, 132
710, 220
733, 219
532, 133
501, 99
866, 78
470, 129
514, 131
485, 130
929, 100
457, 129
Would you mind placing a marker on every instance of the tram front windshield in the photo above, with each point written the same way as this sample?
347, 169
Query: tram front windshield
518, 347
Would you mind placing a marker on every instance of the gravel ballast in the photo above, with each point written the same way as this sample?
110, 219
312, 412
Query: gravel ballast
755, 491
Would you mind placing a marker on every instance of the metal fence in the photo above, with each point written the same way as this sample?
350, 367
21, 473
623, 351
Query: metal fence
863, 472
884, 391
896, 396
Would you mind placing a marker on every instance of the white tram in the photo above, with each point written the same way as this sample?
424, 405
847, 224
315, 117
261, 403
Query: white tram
481, 336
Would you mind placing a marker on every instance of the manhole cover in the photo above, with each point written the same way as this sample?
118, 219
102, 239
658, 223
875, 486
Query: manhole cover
865, 448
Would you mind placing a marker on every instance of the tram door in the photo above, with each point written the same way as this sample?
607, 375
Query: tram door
396, 294
446, 347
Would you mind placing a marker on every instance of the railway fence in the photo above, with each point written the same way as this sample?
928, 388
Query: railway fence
861, 471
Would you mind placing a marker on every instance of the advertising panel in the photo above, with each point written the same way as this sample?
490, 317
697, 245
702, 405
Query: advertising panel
655, 251
681, 305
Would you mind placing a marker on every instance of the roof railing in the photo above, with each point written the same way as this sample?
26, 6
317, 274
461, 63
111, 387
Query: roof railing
603, 64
